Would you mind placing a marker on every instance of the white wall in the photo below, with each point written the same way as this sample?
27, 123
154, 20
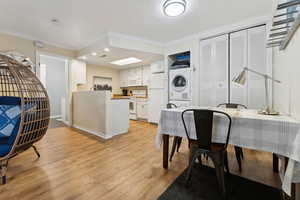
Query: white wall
95, 70
192, 43
56, 82
287, 69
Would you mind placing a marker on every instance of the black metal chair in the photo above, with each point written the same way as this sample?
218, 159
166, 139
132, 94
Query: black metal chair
177, 140
203, 144
238, 150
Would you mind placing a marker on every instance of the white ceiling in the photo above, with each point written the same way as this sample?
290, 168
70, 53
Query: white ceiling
83, 21
118, 54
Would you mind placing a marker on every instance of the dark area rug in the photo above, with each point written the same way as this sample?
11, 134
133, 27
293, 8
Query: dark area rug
204, 186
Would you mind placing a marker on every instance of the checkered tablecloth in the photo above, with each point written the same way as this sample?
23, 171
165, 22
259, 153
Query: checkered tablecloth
276, 134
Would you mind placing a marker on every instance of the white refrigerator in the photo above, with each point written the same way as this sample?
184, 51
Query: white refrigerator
156, 97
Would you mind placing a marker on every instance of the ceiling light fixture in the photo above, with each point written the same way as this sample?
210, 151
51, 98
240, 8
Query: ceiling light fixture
94, 54
174, 8
83, 57
126, 61
107, 50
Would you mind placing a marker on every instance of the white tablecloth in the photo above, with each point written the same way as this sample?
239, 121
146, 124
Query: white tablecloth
276, 134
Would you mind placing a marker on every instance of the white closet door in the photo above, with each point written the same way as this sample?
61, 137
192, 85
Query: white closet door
214, 71
238, 60
258, 62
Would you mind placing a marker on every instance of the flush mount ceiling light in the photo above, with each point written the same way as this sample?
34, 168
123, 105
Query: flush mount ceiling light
106, 49
83, 57
126, 61
94, 53
174, 8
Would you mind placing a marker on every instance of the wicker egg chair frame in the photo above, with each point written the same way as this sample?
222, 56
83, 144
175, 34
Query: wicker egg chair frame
17, 80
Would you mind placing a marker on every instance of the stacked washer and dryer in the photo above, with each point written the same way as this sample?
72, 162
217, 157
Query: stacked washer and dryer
180, 79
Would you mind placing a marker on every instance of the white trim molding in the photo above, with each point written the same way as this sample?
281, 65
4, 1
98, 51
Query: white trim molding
99, 134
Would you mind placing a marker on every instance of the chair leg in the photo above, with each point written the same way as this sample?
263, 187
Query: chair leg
173, 147
191, 163
242, 153
179, 141
218, 160
36, 151
226, 162
3, 170
238, 157
275, 163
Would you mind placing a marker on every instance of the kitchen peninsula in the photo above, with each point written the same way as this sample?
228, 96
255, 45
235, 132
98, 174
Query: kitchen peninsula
96, 112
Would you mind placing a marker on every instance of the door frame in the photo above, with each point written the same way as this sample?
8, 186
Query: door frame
67, 60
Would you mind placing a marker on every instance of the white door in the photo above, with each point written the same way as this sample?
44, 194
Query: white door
214, 71
238, 60
258, 62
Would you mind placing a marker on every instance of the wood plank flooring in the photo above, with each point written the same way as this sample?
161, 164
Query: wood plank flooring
75, 165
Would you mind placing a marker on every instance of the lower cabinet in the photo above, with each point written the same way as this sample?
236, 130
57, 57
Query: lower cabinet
142, 110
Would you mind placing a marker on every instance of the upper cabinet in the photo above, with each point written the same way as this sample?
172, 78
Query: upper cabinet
135, 76
138, 76
146, 75
157, 67
124, 78
78, 69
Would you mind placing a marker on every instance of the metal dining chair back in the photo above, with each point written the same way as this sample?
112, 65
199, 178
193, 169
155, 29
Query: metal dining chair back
203, 120
203, 145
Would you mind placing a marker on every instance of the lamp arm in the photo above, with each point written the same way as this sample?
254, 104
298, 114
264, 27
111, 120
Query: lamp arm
261, 74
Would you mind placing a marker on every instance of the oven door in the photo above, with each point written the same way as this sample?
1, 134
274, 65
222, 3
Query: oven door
132, 107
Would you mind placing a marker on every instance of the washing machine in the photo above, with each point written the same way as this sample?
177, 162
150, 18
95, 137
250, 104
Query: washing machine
180, 84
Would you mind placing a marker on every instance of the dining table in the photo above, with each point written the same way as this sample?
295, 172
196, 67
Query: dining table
278, 134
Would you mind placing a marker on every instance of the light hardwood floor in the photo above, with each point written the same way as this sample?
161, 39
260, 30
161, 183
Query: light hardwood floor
74, 165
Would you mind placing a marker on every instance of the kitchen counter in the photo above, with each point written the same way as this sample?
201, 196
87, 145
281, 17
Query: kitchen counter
96, 112
116, 98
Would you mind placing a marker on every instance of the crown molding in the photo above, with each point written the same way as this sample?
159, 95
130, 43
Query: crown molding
27, 37
250, 22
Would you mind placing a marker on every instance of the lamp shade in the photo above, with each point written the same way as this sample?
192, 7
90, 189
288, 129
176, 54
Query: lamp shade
240, 78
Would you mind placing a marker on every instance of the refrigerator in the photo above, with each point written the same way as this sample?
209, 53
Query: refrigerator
156, 94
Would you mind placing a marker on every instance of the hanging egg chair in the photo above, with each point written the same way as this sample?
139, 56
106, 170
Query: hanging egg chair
24, 110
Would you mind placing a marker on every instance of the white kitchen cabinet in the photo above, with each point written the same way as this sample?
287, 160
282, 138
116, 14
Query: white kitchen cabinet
214, 71
78, 69
124, 78
135, 76
157, 67
142, 109
157, 81
146, 76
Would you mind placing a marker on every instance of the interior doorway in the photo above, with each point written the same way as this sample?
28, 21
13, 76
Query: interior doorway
53, 73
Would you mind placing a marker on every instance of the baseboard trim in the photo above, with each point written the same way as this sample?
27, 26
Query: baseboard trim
99, 134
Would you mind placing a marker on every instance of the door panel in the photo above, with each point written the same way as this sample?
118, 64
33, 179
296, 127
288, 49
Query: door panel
238, 60
214, 71
258, 62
